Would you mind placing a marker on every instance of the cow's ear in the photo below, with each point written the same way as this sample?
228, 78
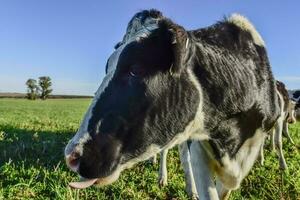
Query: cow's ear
179, 42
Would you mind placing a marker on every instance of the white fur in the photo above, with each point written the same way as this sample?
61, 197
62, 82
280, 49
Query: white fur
187, 43
86, 137
197, 130
246, 25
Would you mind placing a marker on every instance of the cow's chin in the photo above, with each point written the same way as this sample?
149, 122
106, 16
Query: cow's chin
116, 173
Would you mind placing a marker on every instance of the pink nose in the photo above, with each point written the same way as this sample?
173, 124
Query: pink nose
73, 161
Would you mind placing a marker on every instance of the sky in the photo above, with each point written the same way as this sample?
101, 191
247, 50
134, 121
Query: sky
70, 40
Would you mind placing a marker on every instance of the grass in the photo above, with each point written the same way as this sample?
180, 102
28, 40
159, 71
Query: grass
33, 135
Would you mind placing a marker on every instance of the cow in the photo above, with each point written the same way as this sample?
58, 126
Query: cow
296, 98
297, 113
286, 117
165, 85
296, 95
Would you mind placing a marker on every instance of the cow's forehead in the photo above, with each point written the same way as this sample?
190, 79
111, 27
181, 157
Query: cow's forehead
139, 28
114, 59
134, 31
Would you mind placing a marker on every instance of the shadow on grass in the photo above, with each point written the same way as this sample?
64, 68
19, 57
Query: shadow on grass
43, 148
32, 163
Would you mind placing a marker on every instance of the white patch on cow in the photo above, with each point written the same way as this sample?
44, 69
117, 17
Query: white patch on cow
197, 131
234, 170
187, 43
86, 137
246, 25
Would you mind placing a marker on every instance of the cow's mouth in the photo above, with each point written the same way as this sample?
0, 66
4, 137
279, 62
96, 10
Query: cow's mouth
85, 183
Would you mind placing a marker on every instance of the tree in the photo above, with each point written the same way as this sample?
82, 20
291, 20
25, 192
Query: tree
32, 89
45, 84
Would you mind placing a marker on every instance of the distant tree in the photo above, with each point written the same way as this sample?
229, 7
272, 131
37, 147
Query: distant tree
32, 89
45, 84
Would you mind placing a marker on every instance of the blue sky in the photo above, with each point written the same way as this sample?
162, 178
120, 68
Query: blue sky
70, 40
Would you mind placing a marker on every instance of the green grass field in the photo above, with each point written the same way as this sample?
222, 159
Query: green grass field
33, 135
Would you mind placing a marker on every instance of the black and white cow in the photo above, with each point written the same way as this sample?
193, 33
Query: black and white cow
296, 95
287, 117
297, 113
165, 85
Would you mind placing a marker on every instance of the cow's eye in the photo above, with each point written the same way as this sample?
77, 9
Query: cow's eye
137, 71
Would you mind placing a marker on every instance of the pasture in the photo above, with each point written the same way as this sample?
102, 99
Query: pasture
33, 135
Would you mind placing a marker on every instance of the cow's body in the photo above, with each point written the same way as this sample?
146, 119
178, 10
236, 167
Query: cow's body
239, 103
213, 86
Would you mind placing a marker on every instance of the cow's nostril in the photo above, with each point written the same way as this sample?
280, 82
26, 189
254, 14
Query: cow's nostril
73, 160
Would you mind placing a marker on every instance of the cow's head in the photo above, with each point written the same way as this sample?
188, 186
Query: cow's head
147, 101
